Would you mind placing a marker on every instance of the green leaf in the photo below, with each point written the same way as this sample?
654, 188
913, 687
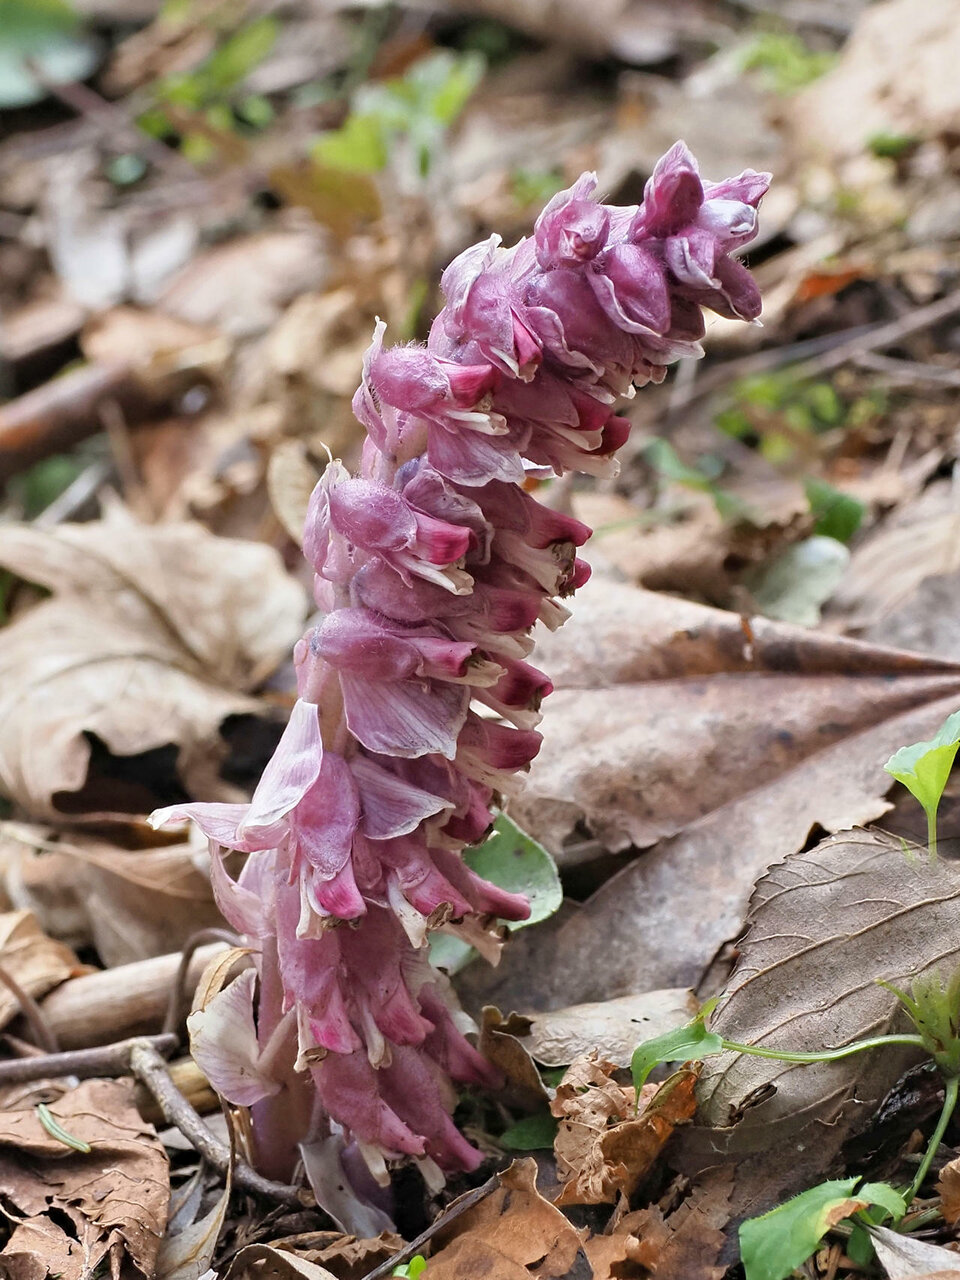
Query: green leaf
358, 146
795, 584
44, 32
514, 861
924, 767
837, 515
532, 1133
238, 55
680, 1045
412, 1269
775, 1244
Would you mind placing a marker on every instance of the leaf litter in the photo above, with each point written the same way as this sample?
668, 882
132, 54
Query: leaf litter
692, 753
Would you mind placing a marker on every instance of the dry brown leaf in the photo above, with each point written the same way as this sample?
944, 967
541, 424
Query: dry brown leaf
187, 1255
345, 1257
511, 1234
38, 1248
683, 1246
948, 1186
612, 1027
603, 1150
38, 963
896, 76
906, 1258
241, 287
823, 927
115, 1196
263, 1262
502, 1045
740, 737
160, 631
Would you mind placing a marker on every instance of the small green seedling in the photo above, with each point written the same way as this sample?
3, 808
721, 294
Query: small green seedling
836, 514
415, 1267
924, 769
695, 1040
775, 1244
532, 1133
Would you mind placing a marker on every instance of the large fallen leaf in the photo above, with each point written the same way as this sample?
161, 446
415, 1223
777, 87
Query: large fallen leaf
152, 638
727, 742
513, 1234
33, 960
824, 926
128, 902
604, 1147
115, 1195
613, 1027
263, 1262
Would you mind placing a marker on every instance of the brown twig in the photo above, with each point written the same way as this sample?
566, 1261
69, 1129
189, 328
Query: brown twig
817, 356
171, 1022
107, 1060
151, 1070
43, 1033
450, 1214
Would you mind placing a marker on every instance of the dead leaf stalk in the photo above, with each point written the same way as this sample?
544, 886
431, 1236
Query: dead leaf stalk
42, 1031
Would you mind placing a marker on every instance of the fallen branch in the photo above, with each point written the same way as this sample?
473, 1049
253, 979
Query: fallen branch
151, 1070
85, 1064
131, 999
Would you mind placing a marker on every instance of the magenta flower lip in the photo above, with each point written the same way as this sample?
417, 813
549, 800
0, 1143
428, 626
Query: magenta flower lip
418, 707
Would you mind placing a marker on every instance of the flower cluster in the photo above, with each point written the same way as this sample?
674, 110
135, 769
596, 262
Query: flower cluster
418, 706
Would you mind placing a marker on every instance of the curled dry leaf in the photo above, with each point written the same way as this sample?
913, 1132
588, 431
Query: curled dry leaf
823, 927
115, 1196
685, 1245
187, 1255
347, 1257
603, 1149
161, 631
263, 1262
502, 1042
38, 963
724, 741
513, 1234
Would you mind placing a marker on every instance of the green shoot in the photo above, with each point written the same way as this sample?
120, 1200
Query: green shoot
532, 1133
412, 1269
924, 768
56, 1130
775, 1244
836, 514
695, 1041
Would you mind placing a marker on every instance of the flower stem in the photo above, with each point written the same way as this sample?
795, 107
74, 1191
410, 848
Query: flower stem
824, 1055
949, 1103
932, 832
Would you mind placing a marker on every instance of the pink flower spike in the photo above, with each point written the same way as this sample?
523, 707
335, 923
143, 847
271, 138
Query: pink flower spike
291, 771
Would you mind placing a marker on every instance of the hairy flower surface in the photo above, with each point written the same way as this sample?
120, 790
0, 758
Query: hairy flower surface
417, 708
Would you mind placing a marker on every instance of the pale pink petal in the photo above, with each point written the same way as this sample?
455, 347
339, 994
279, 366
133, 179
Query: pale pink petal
223, 1043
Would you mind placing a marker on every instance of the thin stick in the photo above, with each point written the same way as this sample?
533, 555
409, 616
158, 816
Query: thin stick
42, 1031
171, 1022
107, 1060
835, 349
450, 1214
151, 1070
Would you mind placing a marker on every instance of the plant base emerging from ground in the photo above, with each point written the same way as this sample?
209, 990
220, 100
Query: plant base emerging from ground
417, 708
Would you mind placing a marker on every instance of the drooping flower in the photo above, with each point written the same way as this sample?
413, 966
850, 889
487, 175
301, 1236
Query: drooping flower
418, 707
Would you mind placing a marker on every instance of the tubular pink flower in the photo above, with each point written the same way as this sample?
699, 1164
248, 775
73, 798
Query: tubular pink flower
418, 707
